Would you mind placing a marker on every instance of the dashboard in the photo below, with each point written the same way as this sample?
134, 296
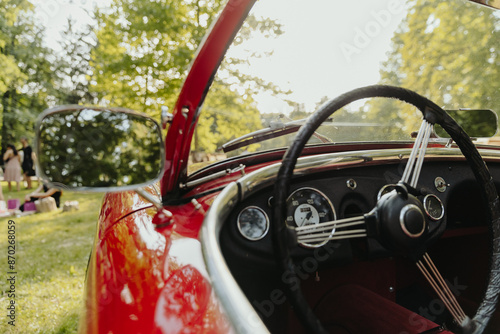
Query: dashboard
238, 240
448, 191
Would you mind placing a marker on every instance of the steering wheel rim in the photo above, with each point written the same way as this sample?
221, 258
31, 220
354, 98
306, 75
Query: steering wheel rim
282, 235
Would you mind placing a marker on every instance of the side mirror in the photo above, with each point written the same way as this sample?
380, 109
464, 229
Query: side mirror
477, 123
489, 3
98, 149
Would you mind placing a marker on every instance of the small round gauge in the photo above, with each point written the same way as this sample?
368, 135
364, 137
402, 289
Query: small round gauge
253, 223
308, 206
433, 207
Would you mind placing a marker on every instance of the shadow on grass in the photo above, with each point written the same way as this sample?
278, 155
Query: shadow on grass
69, 324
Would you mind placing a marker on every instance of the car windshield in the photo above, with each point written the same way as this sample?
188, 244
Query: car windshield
292, 56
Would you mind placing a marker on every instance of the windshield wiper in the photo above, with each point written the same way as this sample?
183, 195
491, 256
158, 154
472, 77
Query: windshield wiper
275, 129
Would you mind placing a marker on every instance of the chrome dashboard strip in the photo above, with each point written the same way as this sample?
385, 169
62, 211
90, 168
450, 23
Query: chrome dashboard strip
240, 312
334, 161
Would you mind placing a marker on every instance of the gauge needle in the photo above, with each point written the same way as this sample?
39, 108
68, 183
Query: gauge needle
306, 218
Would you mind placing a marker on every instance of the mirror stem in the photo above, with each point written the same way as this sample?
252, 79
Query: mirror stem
150, 198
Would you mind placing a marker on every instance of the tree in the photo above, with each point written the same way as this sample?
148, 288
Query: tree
223, 109
299, 111
73, 66
446, 52
144, 50
9, 71
233, 90
29, 81
122, 148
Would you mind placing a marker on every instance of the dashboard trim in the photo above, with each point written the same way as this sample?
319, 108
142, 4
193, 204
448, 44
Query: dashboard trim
266, 176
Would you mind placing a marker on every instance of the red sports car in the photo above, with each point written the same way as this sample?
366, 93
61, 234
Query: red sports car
329, 166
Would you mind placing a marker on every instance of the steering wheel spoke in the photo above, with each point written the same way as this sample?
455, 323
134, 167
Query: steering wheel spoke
433, 276
417, 154
322, 232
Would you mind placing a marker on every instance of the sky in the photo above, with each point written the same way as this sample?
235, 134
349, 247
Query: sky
329, 47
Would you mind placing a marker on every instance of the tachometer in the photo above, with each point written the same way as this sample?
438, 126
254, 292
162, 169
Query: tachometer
309, 206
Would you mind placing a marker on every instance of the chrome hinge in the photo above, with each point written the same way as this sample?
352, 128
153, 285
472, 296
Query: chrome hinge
240, 168
166, 117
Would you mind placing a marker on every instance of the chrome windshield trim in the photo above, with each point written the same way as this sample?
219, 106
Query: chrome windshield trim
240, 312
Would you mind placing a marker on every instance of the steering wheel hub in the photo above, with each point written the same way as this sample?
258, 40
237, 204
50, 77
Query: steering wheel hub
400, 222
412, 221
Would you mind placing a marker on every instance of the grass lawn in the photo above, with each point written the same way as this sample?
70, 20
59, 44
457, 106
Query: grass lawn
52, 250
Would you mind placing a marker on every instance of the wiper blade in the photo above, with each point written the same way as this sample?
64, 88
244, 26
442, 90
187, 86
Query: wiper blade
275, 129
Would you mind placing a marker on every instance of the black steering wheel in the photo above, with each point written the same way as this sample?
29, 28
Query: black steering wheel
398, 221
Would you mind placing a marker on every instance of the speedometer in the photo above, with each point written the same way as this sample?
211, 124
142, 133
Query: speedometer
309, 206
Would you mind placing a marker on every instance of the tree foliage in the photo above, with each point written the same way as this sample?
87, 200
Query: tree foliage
230, 109
73, 66
144, 49
121, 149
446, 52
26, 80
34, 76
139, 52
226, 115
10, 73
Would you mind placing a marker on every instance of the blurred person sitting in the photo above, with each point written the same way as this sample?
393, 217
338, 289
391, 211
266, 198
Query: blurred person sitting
43, 191
12, 166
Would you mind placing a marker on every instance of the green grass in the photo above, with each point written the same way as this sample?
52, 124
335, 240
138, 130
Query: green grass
52, 251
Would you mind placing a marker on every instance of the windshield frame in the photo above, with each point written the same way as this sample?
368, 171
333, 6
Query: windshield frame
203, 68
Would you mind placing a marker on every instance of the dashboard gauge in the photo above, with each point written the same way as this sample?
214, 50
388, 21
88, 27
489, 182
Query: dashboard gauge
253, 223
433, 207
308, 206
